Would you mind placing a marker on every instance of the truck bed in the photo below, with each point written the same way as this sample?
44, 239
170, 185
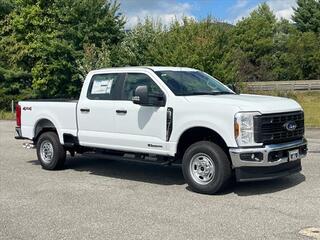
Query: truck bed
61, 112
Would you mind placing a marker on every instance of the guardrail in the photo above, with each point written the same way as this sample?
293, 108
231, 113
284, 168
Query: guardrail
285, 85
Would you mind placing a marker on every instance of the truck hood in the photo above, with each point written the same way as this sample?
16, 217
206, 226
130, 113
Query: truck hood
248, 102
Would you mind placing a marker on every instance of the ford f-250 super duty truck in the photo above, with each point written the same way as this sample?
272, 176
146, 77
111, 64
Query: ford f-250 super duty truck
169, 114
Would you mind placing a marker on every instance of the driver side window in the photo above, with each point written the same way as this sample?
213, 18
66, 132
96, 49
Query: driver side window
133, 80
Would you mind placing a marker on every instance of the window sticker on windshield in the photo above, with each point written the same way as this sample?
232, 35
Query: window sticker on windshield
101, 86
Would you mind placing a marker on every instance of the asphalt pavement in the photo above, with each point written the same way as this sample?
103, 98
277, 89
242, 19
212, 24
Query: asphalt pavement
99, 198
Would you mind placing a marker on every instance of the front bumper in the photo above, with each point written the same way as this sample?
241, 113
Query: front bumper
267, 162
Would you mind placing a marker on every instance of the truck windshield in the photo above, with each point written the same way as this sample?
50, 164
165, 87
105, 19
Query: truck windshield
183, 83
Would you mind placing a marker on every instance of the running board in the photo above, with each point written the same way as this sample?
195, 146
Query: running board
165, 162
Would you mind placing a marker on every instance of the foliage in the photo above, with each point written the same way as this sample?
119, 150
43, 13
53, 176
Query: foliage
47, 47
253, 37
93, 58
304, 55
14, 85
307, 15
6, 6
134, 49
46, 38
201, 45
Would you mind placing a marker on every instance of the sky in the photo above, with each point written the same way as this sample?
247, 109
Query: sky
230, 11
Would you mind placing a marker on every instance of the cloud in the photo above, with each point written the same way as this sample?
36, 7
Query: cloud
281, 9
239, 10
241, 13
240, 4
164, 11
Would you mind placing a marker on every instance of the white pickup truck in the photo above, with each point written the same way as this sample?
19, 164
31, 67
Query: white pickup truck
170, 115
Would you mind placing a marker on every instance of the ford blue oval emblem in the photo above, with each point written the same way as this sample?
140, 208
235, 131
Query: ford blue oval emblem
290, 126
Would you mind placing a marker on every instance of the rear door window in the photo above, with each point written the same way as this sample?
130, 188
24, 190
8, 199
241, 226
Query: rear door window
104, 87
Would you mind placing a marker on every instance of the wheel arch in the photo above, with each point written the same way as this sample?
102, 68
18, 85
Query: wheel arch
43, 125
199, 133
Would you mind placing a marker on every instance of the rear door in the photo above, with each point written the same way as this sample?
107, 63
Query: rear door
140, 128
96, 112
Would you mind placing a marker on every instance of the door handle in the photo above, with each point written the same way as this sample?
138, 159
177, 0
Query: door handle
84, 110
121, 111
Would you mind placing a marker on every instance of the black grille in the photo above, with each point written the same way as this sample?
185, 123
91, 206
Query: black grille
271, 128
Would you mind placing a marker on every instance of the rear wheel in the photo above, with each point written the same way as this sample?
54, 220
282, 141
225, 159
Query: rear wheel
50, 152
206, 167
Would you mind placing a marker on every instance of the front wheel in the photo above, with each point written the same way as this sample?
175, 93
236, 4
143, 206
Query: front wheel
206, 167
50, 152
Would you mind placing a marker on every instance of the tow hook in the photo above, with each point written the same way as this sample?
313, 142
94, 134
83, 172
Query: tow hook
28, 145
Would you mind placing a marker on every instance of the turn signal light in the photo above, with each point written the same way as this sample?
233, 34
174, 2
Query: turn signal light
236, 129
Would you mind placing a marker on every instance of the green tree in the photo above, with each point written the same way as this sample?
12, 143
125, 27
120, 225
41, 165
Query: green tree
296, 54
253, 37
93, 58
201, 45
304, 52
6, 6
282, 60
307, 15
45, 38
134, 49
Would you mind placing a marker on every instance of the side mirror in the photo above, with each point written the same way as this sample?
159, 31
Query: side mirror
141, 95
233, 88
144, 98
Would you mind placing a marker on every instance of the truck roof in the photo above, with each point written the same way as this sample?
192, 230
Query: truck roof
154, 68
162, 68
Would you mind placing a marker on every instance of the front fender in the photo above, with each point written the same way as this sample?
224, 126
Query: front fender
223, 128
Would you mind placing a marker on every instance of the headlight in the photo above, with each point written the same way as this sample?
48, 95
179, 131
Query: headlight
244, 128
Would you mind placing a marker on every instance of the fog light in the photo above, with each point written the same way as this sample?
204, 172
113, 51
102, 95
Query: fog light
252, 157
276, 156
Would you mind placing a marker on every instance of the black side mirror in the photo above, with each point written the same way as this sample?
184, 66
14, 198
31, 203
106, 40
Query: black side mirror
233, 88
143, 98
141, 95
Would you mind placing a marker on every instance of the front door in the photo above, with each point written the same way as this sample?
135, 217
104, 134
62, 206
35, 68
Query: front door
140, 128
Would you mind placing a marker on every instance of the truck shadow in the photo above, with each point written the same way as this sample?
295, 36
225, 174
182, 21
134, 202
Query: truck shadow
142, 172
167, 175
269, 186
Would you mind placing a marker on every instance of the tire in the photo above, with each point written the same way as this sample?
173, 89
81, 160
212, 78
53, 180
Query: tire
206, 167
50, 152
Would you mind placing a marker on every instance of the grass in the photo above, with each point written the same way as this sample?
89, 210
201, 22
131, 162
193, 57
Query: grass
311, 105
309, 100
7, 115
